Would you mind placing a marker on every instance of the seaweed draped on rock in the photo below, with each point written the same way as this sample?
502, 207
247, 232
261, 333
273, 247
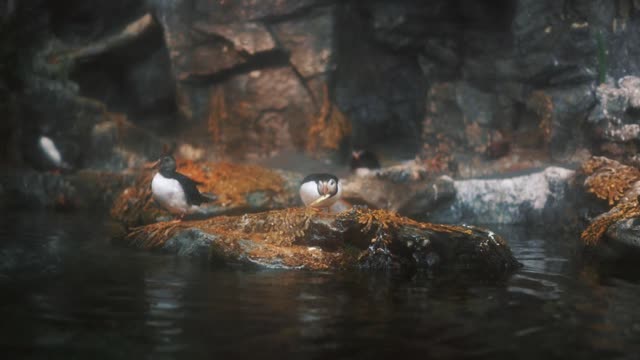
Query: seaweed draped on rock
358, 238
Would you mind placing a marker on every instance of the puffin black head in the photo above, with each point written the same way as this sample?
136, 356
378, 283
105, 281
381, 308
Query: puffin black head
327, 184
167, 165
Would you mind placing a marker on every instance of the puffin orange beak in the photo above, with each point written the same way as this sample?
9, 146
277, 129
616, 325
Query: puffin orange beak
320, 199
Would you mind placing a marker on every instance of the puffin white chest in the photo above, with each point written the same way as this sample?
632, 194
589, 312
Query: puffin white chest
169, 194
309, 193
50, 150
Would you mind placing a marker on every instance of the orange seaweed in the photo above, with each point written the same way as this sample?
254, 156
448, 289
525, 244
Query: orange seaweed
229, 182
608, 179
593, 234
542, 105
329, 128
284, 237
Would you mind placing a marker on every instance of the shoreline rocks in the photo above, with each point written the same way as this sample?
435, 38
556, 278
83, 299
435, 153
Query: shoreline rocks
358, 238
536, 198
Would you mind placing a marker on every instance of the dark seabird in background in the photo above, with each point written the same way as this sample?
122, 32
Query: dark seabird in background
43, 154
364, 159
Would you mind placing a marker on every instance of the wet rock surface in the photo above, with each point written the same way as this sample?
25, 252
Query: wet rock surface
87, 189
406, 188
306, 239
250, 76
626, 232
617, 188
542, 197
614, 115
247, 78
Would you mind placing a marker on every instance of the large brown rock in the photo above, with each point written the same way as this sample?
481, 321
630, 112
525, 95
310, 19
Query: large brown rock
305, 239
250, 76
406, 188
260, 113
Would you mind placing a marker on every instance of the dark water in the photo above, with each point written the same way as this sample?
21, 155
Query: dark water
67, 293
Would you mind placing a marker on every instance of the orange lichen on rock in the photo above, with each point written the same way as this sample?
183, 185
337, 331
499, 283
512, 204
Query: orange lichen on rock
135, 205
382, 219
155, 235
608, 179
305, 238
329, 128
594, 232
217, 115
542, 105
595, 163
612, 181
232, 182
385, 220
259, 237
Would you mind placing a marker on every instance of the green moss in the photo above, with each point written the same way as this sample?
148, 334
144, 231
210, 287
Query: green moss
601, 57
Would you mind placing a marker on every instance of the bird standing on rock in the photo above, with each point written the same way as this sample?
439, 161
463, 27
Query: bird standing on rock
363, 161
51, 154
174, 191
320, 190
41, 152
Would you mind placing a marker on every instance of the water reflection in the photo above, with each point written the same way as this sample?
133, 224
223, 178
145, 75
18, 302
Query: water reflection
67, 292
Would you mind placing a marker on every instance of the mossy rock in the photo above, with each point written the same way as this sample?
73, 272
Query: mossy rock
299, 238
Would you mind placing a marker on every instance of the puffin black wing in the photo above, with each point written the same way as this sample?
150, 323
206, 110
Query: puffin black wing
194, 197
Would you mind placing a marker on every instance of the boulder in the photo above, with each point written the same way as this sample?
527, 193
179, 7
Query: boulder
306, 239
611, 106
631, 84
619, 186
250, 76
541, 197
625, 232
404, 188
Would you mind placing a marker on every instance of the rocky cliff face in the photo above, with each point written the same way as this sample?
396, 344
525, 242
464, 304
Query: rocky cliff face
452, 81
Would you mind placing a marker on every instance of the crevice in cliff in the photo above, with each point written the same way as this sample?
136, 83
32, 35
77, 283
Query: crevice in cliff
269, 59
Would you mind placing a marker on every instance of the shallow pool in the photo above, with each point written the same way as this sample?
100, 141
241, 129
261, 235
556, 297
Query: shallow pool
67, 292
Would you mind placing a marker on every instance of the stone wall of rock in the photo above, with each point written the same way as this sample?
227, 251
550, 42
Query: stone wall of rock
252, 79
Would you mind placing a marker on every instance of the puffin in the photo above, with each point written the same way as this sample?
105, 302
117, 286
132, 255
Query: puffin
320, 190
364, 159
175, 192
43, 154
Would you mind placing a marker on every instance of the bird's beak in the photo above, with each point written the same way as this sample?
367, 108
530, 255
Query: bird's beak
153, 165
320, 199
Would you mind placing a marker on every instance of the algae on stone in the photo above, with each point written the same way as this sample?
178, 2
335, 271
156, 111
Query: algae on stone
301, 238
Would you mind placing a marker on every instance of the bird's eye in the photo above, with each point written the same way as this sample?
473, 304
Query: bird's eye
332, 182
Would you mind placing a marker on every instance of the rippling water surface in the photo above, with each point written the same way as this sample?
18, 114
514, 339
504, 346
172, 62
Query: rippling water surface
66, 292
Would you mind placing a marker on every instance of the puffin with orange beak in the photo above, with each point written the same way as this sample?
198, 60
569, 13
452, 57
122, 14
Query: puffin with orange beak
175, 192
320, 190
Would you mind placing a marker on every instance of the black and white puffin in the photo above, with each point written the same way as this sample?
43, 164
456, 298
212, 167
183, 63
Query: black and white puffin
320, 190
364, 159
175, 192
43, 154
